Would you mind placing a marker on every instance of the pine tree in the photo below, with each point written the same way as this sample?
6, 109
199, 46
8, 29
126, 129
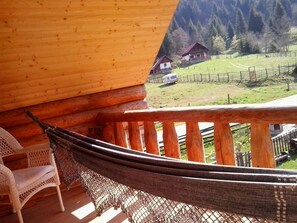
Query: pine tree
256, 23
230, 34
240, 23
288, 8
279, 27
167, 47
193, 33
230, 30
173, 25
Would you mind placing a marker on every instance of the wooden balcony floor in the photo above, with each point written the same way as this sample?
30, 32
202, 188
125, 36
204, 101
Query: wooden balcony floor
78, 208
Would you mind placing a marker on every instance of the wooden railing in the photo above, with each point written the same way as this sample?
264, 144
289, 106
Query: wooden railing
259, 117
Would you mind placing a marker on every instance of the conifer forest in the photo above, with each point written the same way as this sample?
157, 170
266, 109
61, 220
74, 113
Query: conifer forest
243, 26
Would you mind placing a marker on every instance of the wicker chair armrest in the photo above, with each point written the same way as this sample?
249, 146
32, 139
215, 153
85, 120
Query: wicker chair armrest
34, 148
38, 155
6, 176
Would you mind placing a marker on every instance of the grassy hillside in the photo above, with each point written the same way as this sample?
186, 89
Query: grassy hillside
229, 63
197, 94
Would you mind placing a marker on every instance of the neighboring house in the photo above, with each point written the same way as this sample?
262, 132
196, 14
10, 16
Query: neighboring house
194, 53
275, 129
162, 65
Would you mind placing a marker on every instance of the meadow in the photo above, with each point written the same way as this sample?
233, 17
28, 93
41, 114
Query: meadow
235, 64
199, 94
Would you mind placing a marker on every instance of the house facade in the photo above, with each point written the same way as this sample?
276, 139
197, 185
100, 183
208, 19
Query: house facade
195, 53
162, 65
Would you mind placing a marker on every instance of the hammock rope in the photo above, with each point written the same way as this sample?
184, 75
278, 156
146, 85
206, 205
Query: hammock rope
150, 188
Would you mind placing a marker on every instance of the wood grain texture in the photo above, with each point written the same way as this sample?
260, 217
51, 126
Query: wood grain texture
108, 133
221, 113
223, 142
70, 120
120, 135
150, 138
68, 106
134, 136
62, 49
261, 146
170, 140
194, 142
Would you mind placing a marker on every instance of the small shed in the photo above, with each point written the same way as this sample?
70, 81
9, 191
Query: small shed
162, 65
195, 53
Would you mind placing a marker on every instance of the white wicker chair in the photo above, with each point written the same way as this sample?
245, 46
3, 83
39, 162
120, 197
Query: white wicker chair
20, 185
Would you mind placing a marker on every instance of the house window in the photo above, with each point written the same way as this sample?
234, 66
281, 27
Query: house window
276, 127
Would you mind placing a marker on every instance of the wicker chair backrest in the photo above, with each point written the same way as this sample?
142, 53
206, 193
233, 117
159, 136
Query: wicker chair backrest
8, 144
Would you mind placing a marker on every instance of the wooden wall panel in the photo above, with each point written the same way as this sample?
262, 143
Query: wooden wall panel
59, 49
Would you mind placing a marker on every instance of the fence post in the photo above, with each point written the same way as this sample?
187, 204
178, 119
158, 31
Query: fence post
288, 85
266, 73
201, 77
240, 76
288, 69
279, 70
208, 77
239, 159
218, 77
228, 79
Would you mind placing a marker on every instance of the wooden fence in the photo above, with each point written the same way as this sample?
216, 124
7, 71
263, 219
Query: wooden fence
247, 75
281, 145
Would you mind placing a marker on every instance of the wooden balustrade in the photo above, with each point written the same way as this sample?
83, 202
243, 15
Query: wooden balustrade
150, 138
134, 136
194, 143
259, 116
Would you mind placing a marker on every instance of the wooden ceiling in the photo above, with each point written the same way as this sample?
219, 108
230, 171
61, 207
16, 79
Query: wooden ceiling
57, 49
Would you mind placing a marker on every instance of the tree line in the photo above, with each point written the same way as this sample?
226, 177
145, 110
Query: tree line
244, 26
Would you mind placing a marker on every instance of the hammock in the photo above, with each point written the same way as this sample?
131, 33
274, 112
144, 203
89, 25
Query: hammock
150, 188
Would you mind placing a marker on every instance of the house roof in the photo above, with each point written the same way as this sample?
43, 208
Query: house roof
192, 47
160, 60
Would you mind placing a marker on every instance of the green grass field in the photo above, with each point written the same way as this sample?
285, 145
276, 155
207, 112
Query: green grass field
224, 63
197, 94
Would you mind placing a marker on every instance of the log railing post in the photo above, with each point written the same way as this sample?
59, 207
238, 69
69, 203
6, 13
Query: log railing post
108, 133
134, 136
223, 142
261, 146
170, 140
150, 138
120, 135
194, 143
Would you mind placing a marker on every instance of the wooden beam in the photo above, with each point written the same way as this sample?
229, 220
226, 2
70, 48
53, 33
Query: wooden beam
223, 142
70, 120
261, 146
73, 105
220, 113
170, 140
194, 142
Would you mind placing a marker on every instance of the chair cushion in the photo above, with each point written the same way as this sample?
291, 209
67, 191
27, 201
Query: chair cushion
25, 177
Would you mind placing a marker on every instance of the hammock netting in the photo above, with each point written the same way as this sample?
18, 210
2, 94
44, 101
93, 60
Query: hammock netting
151, 188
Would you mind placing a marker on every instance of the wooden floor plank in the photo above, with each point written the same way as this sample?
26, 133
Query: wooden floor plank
79, 209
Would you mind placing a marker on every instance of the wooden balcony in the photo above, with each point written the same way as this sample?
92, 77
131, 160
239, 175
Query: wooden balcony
78, 209
258, 116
